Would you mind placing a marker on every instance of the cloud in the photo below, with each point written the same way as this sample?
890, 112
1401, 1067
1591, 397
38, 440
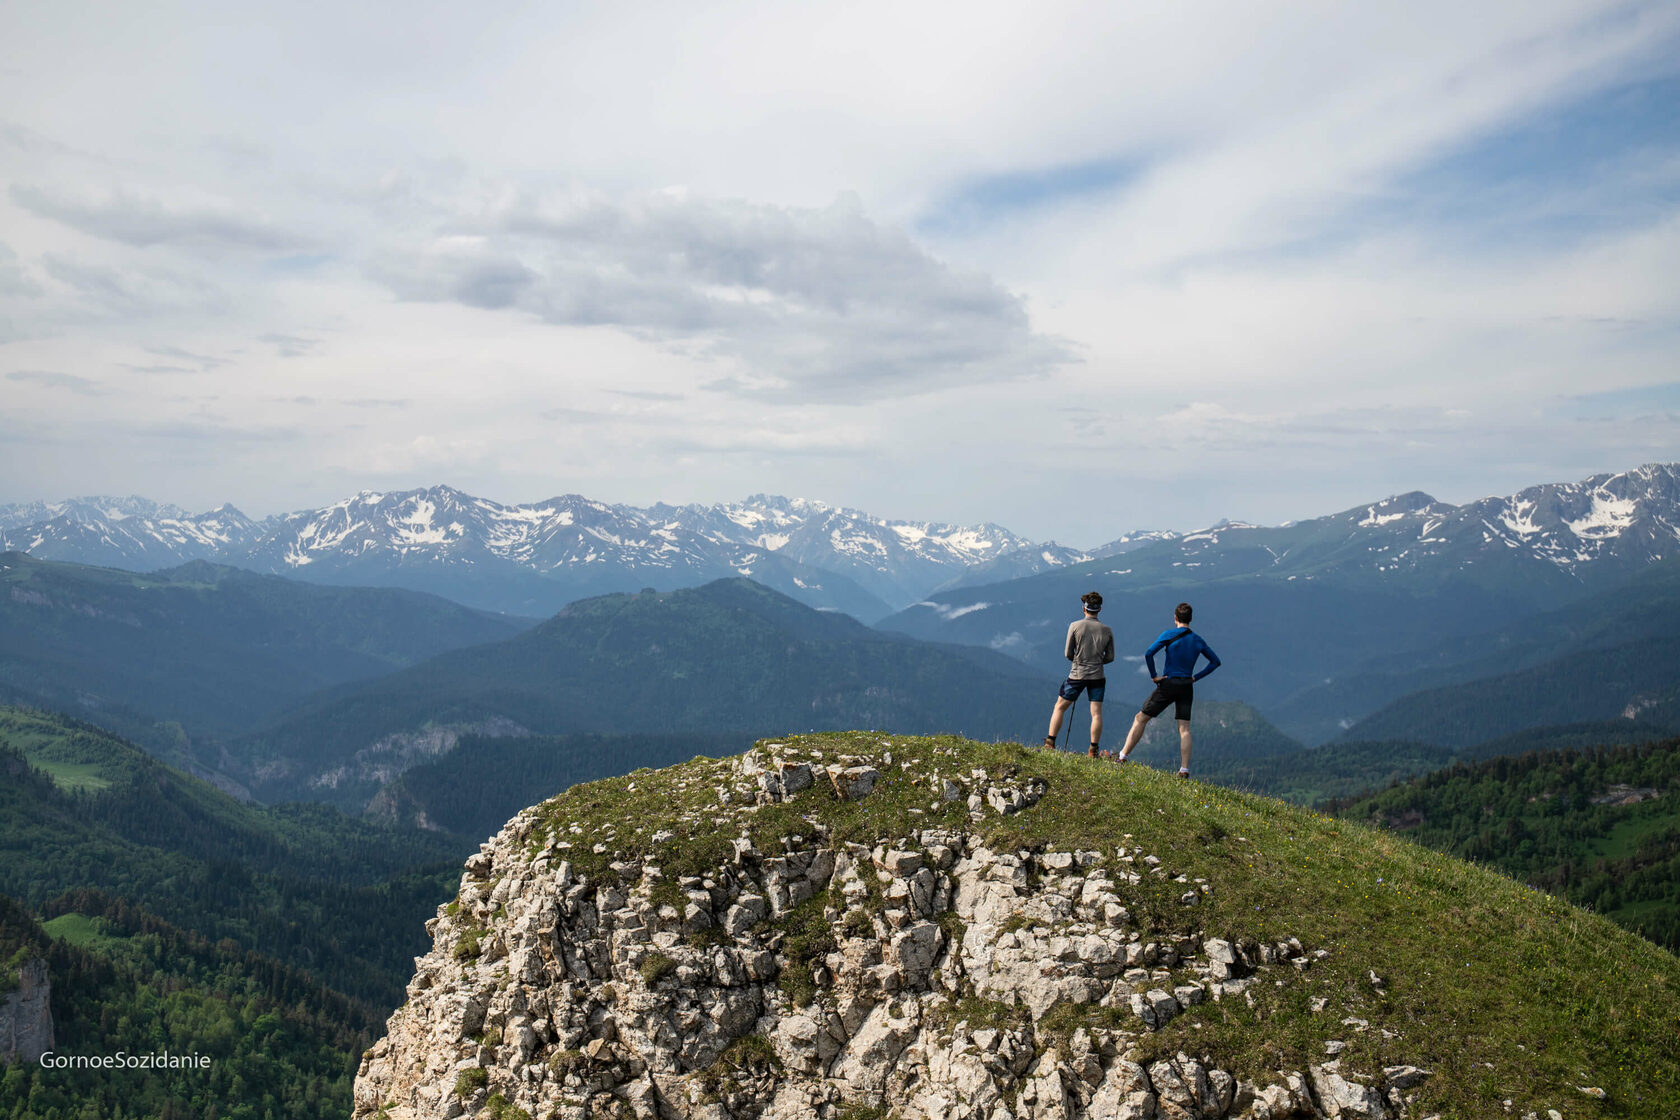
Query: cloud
1012, 643
67, 381
145, 222
209, 433
1292, 238
129, 293
579, 414
14, 281
647, 395
290, 345
178, 360
947, 612
791, 303
1645, 400
202, 361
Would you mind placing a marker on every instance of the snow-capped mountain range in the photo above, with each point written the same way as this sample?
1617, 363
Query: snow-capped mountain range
132, 533
534, 558
1366, 595
1594, 530
1546, 541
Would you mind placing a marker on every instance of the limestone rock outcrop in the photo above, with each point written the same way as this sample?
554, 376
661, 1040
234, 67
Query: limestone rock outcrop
26, 1023
925, 975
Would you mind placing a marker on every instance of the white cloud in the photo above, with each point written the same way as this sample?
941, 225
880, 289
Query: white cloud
68, 381
793, 303
144, 222
1192, 224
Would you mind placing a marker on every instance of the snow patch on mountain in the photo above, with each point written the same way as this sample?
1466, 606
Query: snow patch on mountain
1372, 517
1608, 517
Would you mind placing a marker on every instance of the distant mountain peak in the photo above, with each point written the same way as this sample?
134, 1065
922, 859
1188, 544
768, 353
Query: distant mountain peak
531, 557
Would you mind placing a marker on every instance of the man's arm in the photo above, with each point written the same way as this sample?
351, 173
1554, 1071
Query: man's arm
1212, 662
1149, 656
1108, 647
1072, 646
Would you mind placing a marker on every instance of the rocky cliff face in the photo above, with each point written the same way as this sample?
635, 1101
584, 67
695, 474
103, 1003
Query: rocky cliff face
925, 975
26, 1025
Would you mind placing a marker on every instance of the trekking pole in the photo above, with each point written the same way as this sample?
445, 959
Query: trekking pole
1067, 744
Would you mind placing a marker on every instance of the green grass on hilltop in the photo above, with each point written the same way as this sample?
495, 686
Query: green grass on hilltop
1553, 819
1504, 992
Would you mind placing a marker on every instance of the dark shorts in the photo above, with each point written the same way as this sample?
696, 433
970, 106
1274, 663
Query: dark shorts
1070, 689
1173, 690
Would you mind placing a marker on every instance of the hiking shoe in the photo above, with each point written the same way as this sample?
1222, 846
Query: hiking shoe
1120, 756
1184, 773
1049, 743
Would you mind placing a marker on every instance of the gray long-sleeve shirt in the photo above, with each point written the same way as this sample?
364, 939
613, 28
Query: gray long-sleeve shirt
1090, 646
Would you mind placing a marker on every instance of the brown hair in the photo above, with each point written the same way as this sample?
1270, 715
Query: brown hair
1181, 614
1092, 601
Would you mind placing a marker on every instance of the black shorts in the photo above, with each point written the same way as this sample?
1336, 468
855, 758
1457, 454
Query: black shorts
1070, 689
1174, 690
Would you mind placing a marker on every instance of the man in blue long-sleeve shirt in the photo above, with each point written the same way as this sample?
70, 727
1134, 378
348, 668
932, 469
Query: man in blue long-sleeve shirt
1176, 683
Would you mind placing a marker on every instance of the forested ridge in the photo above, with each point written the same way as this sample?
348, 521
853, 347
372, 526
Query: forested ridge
280, 1045
1632, 680
732, 657
273, 939
1600, 827
341, 898
204, 649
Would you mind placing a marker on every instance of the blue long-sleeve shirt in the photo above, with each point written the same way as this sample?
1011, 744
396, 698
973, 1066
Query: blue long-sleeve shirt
1181, 655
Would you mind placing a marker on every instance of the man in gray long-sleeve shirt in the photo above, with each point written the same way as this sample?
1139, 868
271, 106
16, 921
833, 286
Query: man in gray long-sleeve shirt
1090, 646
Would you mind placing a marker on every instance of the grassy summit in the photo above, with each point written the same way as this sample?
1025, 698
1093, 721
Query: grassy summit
1599, 827
1503, 992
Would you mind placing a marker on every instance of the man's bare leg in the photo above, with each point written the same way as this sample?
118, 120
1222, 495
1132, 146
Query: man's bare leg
1136, 733
1056, 714
1096, 726
1183, 745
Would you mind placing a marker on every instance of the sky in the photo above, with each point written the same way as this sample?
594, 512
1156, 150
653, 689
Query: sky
1078, 269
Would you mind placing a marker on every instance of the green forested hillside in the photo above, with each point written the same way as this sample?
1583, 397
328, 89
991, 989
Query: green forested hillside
1567, 736
281, 1046
1342, 770
1600, 827
729, 657
1314, 774
341, 899
206, 648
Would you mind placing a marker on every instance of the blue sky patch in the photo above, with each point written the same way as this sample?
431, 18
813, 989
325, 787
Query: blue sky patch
981, 201
1563, 172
